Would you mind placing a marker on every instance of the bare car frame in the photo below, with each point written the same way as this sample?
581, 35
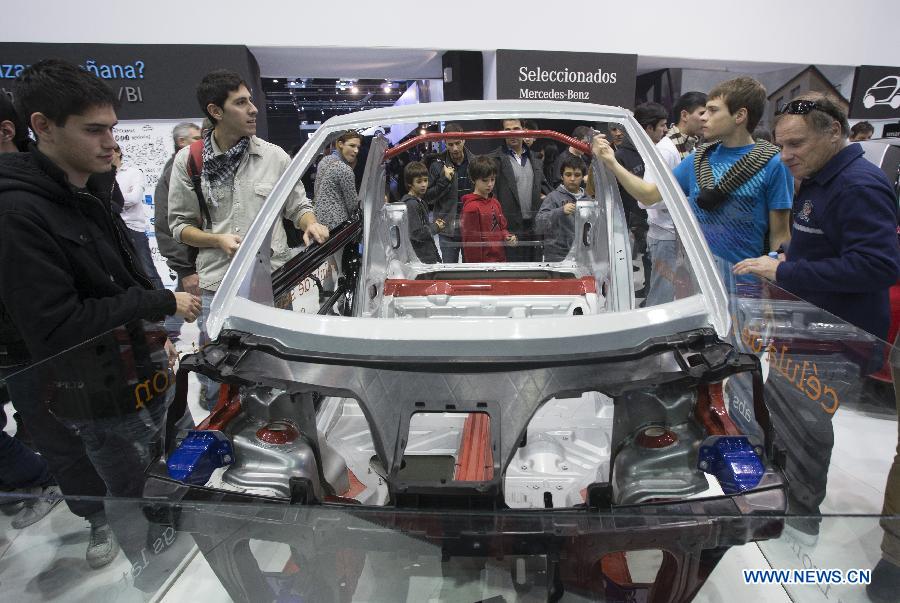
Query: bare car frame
524, 416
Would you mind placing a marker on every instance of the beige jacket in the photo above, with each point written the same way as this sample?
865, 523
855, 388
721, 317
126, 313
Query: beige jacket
236, 206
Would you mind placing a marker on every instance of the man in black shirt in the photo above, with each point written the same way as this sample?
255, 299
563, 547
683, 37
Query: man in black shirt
448, 182
652, 117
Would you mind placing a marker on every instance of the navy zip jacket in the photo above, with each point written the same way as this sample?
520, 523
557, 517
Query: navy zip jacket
67, 270
844, 254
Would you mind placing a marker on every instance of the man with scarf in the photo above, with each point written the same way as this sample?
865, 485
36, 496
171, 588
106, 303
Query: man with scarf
239, 171
737, 187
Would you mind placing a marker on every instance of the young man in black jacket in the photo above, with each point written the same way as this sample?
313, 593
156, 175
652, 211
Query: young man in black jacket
62, 452
68, 275
448, 183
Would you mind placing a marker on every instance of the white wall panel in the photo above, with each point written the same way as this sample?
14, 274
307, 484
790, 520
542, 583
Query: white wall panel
862, 32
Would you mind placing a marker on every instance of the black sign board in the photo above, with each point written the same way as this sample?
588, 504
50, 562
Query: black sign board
891, 131
604, 79
876, 93
152, 81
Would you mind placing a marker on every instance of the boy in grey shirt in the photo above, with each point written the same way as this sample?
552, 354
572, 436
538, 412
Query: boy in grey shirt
555, 220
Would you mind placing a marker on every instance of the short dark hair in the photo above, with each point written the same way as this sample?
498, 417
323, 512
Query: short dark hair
413, 170
649, 114
8, 113
689, 101
529, 124
581, 132
862, 127
453, 127
573, 163
349, 135
761, 133
215, 87
742, 93
59, 89
482, 167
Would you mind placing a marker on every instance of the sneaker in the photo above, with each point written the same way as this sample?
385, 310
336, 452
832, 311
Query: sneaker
11, 500
885, 582
804, 530
37, 506
102, 548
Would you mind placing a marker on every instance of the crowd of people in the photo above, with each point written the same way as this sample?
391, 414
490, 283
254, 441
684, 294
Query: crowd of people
808, 213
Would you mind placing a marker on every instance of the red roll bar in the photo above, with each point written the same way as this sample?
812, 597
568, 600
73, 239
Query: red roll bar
572, 142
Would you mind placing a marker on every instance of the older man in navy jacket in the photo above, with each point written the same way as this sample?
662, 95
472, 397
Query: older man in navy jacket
843, 255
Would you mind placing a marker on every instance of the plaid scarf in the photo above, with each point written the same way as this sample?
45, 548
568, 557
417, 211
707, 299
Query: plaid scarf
684, 143
219, 170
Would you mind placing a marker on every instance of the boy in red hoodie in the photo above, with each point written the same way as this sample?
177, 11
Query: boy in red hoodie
483, 225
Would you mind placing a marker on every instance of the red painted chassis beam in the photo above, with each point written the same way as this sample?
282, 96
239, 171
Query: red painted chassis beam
711, 412
476, 460
403, 146
415, 288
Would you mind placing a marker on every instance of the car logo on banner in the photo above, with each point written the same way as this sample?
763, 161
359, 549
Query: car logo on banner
885, 92
876, 93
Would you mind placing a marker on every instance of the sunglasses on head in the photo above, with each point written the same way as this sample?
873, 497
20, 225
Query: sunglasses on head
802, 107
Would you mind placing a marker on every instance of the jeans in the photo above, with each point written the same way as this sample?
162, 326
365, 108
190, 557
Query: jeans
58, 445
145, 259
450, 248
174, 322
121, 448
663, 255
212, 387
530, 247
890, 544
20, 467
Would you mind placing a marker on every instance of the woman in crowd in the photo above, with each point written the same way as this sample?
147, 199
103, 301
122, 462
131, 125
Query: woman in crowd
335, 190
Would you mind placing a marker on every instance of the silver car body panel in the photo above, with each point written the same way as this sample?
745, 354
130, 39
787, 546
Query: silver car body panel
244, 300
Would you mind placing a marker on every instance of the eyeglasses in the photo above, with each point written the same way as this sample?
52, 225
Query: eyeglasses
802, 107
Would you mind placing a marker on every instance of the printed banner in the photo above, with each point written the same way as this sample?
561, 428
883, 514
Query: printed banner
604, 79
876, 93
147, 146
151, 81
